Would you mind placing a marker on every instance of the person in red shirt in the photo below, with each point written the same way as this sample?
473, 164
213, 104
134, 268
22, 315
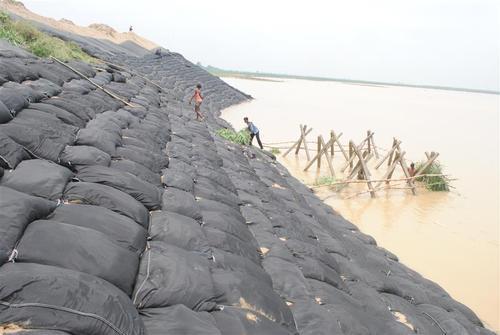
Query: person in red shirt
198, 99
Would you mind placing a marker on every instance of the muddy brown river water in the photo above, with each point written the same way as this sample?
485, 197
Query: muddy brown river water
451, 237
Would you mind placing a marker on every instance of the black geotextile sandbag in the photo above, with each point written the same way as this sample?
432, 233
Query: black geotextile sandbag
153, 161
1, 172
53, 72
82, 111
25, 91
226, 223
11, 153
108, 197
177, 179
60, 113
142, 191
78, 248
218, 176
5, 113
204, 188
180, 202
141, 139
49, 125
18, 210
137, 170
12, 99
178, 230
228, 261
73, 156
44, 86
66, 300
76, 86
101, 139
241, 290
118, 228
169, 275
178, 165
288, 280
178, 320
15, 69
39, 178
234, 320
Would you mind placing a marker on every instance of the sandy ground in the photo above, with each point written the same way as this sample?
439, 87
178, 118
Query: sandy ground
96, 30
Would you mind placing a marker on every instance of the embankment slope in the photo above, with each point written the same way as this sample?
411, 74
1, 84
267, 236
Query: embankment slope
132, 218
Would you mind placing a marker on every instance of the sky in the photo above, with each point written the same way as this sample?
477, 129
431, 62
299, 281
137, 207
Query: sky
433, 42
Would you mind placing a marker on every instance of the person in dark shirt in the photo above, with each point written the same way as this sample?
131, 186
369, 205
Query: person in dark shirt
254, 132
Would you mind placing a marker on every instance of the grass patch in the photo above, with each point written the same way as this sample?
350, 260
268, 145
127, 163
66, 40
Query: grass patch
241, 137
23, 34
433, 183
275, 151
324, 181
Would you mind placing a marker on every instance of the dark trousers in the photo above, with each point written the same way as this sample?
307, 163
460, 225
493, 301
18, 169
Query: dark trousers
258, 140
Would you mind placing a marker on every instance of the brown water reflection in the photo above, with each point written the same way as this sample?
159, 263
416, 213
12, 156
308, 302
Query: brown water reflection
449, 237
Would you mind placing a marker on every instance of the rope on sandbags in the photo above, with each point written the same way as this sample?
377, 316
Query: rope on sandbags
115, 328
111, 94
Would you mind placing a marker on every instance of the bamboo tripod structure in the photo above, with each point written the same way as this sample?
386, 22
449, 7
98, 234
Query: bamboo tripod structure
357, 159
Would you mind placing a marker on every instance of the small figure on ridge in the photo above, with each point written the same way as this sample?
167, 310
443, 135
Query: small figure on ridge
130, 29
198, 99
254, 132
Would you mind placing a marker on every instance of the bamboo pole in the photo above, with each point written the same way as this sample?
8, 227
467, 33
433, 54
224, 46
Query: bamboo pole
365, 171
302, 139
394, 143
319, 150
332, 147
434, 155
323, 151
388, 175
135, 73
358, 181
341, 147
389, 154
111, 94
303, 130
372, 139
297, 143
328, 158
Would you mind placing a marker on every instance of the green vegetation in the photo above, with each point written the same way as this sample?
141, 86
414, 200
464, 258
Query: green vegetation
275, 151
433, 183
23, 34
324, 181
241, 137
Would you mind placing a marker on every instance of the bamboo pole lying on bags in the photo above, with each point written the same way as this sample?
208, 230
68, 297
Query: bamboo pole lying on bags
111, 94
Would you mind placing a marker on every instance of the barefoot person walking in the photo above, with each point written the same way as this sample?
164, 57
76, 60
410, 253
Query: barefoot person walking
254, 132
198, 99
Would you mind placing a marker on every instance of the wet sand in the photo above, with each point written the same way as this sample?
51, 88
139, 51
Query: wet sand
449, 237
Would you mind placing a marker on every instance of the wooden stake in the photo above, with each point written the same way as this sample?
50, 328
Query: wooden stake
388, 175
389, 154
303, 131
323, 151
365, 170
297, 143
319, 150
394, 143
434, 155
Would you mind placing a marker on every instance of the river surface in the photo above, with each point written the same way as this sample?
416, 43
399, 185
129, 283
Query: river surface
451, 237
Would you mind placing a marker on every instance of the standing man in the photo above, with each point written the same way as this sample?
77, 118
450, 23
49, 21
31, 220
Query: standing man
254, 132
198, 99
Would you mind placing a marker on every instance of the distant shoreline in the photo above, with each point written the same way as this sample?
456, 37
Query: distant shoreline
260, 76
